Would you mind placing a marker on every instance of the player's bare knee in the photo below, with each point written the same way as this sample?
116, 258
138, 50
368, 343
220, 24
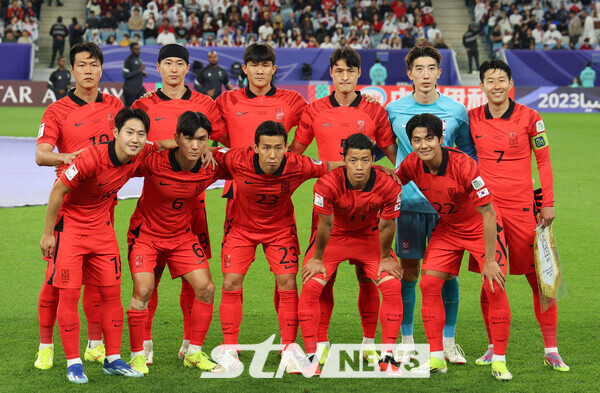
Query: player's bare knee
286, 282
143, 293
232, 285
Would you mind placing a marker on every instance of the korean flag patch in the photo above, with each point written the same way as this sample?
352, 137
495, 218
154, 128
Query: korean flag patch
483, 192
539, 126
478, 183
41, 130
71, 172
318, 200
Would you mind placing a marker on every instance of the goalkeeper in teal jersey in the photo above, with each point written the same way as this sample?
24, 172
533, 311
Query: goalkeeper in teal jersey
417, 216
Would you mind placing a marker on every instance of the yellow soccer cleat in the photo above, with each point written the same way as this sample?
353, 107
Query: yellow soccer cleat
202, 361
45, 358
138, 363
437, 366
95, 354
368, 353
500, 372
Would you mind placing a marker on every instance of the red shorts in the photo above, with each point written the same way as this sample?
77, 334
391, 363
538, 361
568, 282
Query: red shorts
446, 248
519, 232
281, 249
359, 250
86, 259
199, 225
182, 254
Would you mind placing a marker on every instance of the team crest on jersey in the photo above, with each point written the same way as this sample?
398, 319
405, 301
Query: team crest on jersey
64, 275
513, 139
405, 245
444, 126
139, 260
111, 120
360, 126
279, 114
285, 186
373, 206
452, 193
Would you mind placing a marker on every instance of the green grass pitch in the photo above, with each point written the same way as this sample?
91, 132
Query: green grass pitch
574, 140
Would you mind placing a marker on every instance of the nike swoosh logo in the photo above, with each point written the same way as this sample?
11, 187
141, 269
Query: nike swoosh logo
45, 306
163, 184
70, 330
254, 182
102, 184
115, 325
327, 124
304, 320
394, 320
79, 124
292, 324
242, 113
404, 125
159, 119
479, 136
423, 189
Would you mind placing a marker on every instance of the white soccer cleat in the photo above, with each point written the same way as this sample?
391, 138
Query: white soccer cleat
454, 354
405, 353
368, 353
183, 351
229, 359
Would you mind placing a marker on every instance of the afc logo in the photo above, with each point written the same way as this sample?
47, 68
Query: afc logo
360, 126
64, 275
513, 139
452, 193
285, 186
279, 114
139, 260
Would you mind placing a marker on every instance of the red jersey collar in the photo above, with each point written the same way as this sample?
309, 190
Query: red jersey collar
177, 168
443, 166
79, 101
259, 170
506, 115
370, 183
336, 104
250, 94
164, 97
112, 154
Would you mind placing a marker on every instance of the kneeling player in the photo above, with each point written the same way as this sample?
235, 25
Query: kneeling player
261, 212
161, 227
79, 236
356, 209
450, 181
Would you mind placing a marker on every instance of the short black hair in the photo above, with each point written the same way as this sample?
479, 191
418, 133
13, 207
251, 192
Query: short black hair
189, 122
348, 54
431, 122
93, 49
270, 128
259, 52
358, 141
133, 44
128, 113
494, 65
588, 63
422, 51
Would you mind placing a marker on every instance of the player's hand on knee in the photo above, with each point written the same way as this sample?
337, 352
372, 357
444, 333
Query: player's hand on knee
390, 266
492, 272
547, 216
312, 268
47, 245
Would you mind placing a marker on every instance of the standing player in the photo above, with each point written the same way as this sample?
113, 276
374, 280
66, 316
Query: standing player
164, 108
160, 225
505, 134
210, 79
265, 177
243, 110
417, 218
82, 119
356, 209
80, 238
331, 120
451, 182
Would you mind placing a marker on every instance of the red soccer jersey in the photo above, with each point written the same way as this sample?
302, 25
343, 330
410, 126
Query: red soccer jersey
243, 112
165, 208
504, 149
331, 124
357, 212
263, 202
455, 191
164, 112
95, 177
71, 124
